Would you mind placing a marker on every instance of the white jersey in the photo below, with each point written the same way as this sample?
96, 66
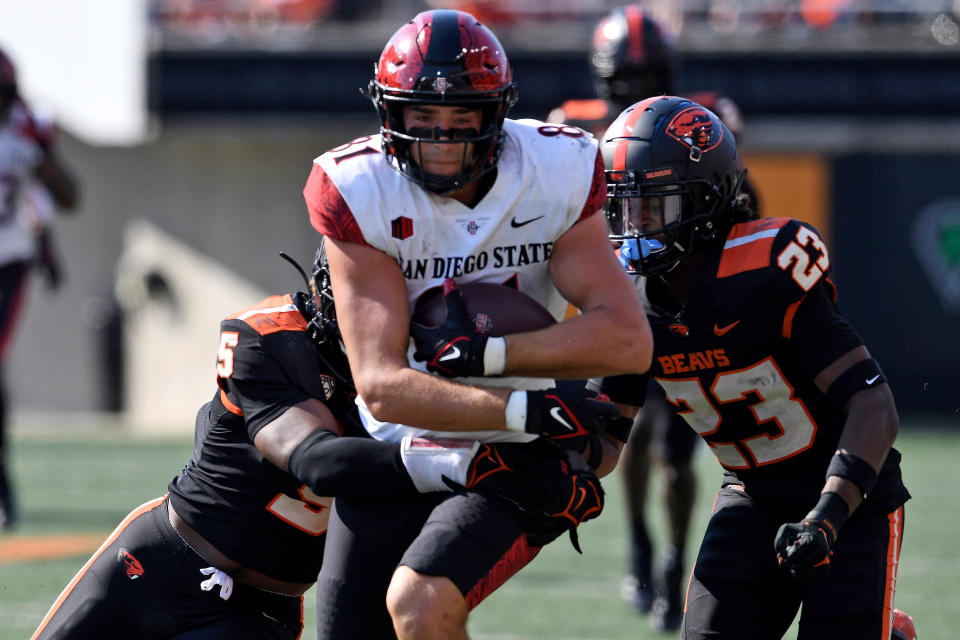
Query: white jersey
546, 181
23, 206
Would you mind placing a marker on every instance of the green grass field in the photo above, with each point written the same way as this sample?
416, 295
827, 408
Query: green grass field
86, 480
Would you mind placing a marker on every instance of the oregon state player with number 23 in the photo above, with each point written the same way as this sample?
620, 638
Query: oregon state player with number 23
751, 349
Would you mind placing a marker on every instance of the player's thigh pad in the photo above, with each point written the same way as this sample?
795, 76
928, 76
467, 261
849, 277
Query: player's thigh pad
737, 590
473, 538
365, 542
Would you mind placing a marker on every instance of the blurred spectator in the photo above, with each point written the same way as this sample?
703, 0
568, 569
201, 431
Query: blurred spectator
33, 183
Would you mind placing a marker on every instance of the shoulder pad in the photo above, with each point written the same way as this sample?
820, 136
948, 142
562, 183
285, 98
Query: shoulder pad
784, 245
276, 313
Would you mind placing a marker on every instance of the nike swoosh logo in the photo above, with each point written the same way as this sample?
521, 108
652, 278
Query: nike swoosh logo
555, 414
453, 354
717, 329
872, 380
516, 225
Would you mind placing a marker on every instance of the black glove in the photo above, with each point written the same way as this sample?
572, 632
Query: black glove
805, 547
454, 348
569, 417
578, 497
512, 472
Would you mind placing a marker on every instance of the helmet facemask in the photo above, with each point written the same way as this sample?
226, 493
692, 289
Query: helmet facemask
673, 179
481, 147
657, 224
443, 58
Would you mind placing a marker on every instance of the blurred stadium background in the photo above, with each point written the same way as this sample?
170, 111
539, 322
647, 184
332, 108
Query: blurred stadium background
191, 126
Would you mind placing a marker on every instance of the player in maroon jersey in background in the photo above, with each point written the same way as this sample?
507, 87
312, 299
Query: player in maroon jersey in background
752, 350
633, 57
33, 183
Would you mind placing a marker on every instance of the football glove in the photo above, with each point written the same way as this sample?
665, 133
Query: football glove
456, 348
512, 472
805, 547
578, 497
567, 416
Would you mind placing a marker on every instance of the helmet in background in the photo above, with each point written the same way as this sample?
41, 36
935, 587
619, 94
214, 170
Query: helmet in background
673, 181
631, 56
444, 58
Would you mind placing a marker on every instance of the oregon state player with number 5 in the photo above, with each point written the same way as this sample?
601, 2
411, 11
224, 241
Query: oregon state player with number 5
751, 349
240, 536
451, 188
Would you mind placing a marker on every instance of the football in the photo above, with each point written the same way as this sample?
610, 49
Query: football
495, 309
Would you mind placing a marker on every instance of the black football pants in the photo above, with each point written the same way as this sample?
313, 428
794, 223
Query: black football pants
739, 592
144, 582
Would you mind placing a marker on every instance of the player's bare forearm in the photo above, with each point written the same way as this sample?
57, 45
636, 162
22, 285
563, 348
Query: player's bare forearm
870, 427
604, 341
408, 396
371, 296
869, 432
610, 336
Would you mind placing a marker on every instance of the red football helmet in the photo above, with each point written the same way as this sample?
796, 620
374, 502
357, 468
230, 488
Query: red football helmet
673, 181
631, 56
443, 57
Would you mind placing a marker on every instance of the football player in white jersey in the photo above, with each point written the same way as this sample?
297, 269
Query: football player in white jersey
451, 189
33, 182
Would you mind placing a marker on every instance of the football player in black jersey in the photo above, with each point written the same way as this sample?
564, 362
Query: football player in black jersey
230, 550
632, 57
751, 349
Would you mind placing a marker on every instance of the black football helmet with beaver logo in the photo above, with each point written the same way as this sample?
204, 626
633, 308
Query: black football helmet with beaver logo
673, 180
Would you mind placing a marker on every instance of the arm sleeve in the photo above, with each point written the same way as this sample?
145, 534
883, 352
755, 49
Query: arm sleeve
359, 468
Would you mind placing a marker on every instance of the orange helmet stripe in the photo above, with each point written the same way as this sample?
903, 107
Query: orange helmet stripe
635, 50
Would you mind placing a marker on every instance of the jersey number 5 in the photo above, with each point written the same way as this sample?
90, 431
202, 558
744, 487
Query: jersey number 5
777, 404
309, 514
228, 340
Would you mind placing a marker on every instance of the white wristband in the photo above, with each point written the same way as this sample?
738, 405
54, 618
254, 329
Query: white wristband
429, 461
516, 412
495, 357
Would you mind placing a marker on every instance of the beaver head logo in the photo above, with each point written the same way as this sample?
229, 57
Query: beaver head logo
696, 127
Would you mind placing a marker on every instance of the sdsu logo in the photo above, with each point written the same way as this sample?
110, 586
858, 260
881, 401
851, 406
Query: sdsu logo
695, 127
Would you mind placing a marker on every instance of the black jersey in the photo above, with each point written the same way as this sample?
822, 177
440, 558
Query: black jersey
246, 507
739, 359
